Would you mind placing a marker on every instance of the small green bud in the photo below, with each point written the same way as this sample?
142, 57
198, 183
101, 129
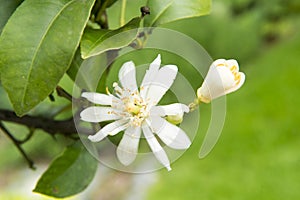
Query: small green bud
175, 119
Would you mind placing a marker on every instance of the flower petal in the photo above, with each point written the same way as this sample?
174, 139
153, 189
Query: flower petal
232, 63
227, 77
219, 62
98, 98
171, 109
213, 85
161, 84
156, 148
99, 114
128, 147
170, 134
110, 129
127, 76
150, 75
242, 80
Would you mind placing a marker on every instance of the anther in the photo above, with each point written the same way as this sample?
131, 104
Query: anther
233, 68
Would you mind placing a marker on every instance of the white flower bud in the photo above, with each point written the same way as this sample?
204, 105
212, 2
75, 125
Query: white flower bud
223, 77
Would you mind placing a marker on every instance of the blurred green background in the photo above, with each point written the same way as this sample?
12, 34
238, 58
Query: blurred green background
258, 153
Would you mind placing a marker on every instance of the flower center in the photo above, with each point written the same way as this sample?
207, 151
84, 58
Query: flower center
137, 108
133, 108
134, 105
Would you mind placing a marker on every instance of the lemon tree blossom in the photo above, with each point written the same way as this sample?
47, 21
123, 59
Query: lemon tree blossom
213, 87
135, 111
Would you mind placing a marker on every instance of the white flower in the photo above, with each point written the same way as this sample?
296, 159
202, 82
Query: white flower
223, 77
136, 111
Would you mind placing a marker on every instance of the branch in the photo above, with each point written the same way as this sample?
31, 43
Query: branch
65, 127
30, 134
18, 145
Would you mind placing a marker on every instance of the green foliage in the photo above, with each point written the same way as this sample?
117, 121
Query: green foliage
164, 11
32, 63
75, 65
69, 174
42, 42
95, 41
257, 155
107, 3
131, 10
6, 9
101, 5
84, 73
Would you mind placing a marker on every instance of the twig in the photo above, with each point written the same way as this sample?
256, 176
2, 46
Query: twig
63, 93
30, 134
18, 145
51, 97
102, 20
64, 127
101, 16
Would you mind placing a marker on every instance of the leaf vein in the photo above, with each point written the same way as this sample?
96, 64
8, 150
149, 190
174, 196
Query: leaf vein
38, 48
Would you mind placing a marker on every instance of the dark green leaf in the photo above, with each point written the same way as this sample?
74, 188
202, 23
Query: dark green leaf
88, 74
69, 174
75, 65
37, 47
157, 8
132, 9
97, 41
164, 11
6, 9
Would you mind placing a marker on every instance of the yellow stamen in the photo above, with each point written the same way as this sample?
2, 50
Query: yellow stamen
220, 65
237, 77
233, 68
107, 91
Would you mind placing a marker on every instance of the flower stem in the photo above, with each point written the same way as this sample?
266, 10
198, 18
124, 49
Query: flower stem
194, 105
122, 16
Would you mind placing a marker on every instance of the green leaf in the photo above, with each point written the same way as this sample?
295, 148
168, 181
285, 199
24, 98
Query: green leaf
68, 174
37, 46
157, 8
132, 9
97, 41
87, 73
107, 3
6, 9
165, 11
75, 65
